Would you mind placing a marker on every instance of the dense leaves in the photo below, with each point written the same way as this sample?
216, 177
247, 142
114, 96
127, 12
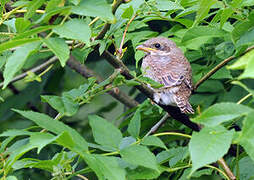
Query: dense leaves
57, 111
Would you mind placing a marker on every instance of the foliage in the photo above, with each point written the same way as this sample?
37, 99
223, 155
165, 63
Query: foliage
94, 136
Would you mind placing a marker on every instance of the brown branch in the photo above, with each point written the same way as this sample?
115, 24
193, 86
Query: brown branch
120, 50
35, 69
85, 72
218, 67
106, 27
224, 165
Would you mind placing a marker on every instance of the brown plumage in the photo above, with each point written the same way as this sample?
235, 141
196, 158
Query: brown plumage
165, 63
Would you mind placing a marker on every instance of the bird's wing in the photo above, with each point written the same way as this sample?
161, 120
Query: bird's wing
175, 73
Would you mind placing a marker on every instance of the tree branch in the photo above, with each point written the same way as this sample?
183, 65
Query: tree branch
85, 72
218, 67
35, 69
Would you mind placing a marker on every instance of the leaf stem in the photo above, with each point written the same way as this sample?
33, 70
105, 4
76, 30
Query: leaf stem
173, 133
244, 98
120, 50
220, 171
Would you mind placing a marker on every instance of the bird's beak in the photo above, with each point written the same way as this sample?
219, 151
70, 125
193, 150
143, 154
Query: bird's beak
146, 49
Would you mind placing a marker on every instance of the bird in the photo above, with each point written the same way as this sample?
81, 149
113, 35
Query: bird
166, 64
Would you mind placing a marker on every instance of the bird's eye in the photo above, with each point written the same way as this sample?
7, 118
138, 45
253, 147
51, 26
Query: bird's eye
157, 45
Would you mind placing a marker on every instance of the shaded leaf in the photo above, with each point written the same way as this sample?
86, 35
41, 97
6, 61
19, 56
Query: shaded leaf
56, 127
246, 135
110, 167
16, 61
153, 141
139, 155
135, 124
104, 132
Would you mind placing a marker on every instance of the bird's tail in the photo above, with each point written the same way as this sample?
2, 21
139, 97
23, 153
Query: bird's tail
187, 109
184, 105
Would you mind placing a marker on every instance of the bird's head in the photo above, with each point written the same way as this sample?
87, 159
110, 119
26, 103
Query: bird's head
157, 46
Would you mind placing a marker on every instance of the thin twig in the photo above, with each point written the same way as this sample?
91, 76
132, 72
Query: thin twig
120, 50
218, 67
85, 72
224, 165
35, 69
157, 125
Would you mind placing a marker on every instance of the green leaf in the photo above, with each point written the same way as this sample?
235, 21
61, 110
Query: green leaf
173, 155
75, 93
246, 135
126, 141
76, 29
64, 105
211, 86
241, 28
33, 31
226, 13
243, 61
220, 113
224, 50
199, 35
204, 7
104, 132
40, 140
196, 174
243, 86
59, 48
150, 81
135, 124
56, 127
139, 155
246, 165
246, 39
16, 61
209, 145
15, 132
153, 141
127, 14
32, 7
55, 11
65, 140
11, 178
95, 9
167, 5
110, 168
142, 173
14, 43
22, 24
16, 150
